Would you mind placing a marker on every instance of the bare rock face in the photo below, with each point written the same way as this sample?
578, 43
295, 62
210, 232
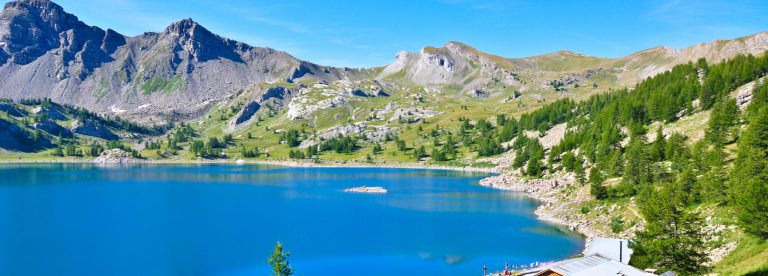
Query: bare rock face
92, 128
276, 95
454, 64
30, 29
177, 73
114, 156
247, 112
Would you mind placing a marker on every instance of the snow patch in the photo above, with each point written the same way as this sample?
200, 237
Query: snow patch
116, 109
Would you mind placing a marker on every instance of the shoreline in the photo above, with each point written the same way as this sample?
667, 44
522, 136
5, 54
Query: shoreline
545, 191
298, 164
284, 163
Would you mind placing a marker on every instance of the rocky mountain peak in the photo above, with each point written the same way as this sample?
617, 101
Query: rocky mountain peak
43, 13
186, 25
46, 5
30, 28
457, 47
198, 43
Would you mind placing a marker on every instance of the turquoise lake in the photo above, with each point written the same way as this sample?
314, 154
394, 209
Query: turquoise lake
85, 219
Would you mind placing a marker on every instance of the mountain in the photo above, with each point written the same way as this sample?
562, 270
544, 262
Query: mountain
47, 52
477, 73
183, 72
453, 64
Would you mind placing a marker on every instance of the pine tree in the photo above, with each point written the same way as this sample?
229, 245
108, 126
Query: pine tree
438, 155
637, 171
672, 238
578, 169
748, 182
419, 153
569, 161
279, 261
659, 145
723, 118
596, 184
376, 148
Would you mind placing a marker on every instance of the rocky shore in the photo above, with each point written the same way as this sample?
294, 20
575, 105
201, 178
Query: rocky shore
563, 202
561, 199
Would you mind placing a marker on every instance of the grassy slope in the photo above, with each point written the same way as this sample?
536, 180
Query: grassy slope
749, 258
448, 103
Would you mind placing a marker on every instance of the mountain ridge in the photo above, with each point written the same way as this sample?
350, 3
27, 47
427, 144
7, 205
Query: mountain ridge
178, 74
73, 63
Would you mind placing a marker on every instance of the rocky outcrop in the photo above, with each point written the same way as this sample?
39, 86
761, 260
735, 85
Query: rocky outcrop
247, 112
53, 128
743, 95
371, 133
53, 112
93, 128
15, 138
411, 114
114, 156
367, 190
454, 64
298, 112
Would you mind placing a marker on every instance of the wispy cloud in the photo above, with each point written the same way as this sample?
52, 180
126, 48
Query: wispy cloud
681, 12
262, 14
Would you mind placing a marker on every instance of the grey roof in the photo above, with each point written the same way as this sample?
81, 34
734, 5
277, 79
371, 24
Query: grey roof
610, 248
592, 265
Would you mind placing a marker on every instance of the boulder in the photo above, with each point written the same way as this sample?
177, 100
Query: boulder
114, 156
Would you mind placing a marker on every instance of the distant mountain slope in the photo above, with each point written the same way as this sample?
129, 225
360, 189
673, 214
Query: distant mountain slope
459, 64
46, 52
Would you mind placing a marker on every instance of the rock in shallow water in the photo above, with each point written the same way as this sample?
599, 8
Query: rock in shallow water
366, 189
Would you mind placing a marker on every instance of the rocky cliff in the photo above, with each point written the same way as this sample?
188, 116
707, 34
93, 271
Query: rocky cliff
177, 73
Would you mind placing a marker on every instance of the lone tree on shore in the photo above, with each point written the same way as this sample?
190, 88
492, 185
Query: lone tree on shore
279, 261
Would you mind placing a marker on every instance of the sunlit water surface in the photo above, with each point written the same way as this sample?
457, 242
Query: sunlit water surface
84, 219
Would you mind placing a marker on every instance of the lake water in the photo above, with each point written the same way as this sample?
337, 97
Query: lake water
85, 219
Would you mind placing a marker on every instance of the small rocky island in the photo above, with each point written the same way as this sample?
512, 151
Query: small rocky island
366, 189
114, 156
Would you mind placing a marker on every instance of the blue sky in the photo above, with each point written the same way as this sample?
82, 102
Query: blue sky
367, 33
